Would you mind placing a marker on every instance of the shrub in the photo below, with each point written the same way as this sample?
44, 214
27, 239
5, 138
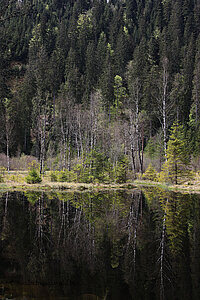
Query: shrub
121, 169
62, 176
1, 178
15, 177
33, 177
150, 174
2, 173
53, 176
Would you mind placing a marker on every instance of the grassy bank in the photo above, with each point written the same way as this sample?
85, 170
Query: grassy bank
47, 185
16, 181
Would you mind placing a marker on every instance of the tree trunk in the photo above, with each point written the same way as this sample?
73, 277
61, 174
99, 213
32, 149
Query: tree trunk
7, 153
42, 145
164, 98
133, 159
69, 157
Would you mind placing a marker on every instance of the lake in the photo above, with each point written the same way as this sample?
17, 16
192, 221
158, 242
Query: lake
116, 245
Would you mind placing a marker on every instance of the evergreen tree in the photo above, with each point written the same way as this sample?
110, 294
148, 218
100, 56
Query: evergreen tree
79, 46
101, 51
176, 168
119, 93
107, 78
91, 75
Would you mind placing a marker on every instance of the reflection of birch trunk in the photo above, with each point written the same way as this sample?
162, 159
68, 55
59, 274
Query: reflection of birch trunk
106, 294
130, 224
91, 231
162, 253
133, 222
93, 240
63, 222
77, 221
40, 216
5, 212
135, 233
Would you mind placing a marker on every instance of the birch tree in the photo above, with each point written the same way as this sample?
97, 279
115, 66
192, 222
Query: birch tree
163, 102
135, 88
66, 123
9, 128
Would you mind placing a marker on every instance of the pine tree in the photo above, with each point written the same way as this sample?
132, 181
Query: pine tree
176, 168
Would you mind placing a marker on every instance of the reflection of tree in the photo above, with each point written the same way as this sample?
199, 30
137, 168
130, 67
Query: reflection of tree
4, 225
133, 222
90, 242
162, 252
158, 201
176, 222
174, 256
194, 233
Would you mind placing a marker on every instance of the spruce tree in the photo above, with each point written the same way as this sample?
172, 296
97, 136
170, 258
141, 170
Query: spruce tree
176, 168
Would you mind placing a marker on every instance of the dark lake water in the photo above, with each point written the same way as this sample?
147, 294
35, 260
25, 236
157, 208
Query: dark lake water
117, 245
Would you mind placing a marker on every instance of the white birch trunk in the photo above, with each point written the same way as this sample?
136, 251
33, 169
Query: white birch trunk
164, 104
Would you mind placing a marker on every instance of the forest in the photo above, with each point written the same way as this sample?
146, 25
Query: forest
101, 91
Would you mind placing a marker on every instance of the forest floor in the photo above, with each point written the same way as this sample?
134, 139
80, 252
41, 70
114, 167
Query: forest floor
15, 181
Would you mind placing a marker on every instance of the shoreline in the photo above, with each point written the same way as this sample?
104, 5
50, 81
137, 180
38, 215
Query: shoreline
80, 187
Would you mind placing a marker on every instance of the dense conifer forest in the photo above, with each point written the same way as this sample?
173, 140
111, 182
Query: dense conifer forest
94, 87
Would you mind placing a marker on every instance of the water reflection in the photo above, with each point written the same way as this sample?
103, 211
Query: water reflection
105, 245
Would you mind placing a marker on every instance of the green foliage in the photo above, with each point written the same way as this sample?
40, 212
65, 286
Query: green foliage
193, 133
150, 173
33, 165
84, 46
66, 176
62, 176
119, 93
53, 176
15, 177
177, 167
1, 178
94, 168
32, 197
33, 177
2, 173
154, 147
121, 169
